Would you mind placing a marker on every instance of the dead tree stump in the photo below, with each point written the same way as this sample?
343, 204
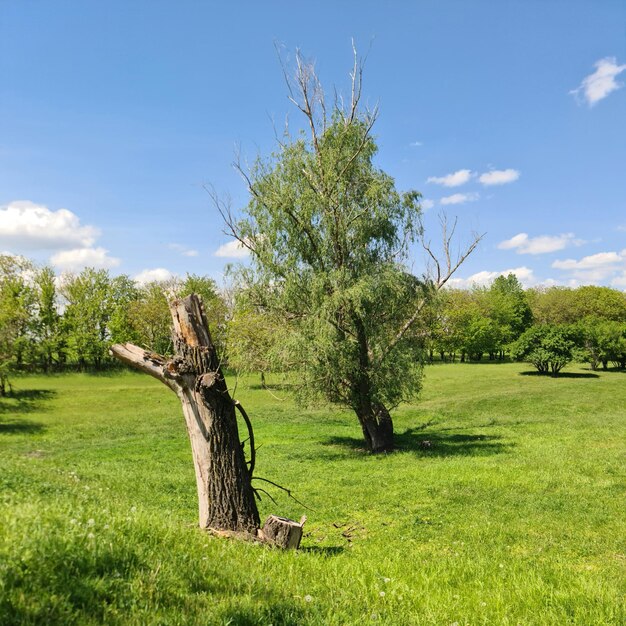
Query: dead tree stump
226, 499
282, 532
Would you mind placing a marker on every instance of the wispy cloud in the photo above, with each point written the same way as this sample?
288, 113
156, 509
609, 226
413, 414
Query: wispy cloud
182, 250
601, 83
416, 144
523, 244
427, 203
460, 177
499, 177
232, 250
459, 198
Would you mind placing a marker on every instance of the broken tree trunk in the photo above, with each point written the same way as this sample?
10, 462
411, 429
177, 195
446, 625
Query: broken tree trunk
225, 494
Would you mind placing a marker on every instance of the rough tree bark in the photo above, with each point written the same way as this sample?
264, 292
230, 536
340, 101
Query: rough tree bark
377, 427
225, 495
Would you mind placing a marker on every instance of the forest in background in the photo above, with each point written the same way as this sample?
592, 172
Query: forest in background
53, 323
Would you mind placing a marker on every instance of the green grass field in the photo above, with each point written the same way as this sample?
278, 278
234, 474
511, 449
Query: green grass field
515, 515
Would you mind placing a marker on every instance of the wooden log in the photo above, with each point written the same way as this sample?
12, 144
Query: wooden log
282, 532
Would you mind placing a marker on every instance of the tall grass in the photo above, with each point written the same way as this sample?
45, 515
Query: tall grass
511, 513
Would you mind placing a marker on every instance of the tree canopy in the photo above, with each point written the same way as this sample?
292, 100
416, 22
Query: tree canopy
329, 235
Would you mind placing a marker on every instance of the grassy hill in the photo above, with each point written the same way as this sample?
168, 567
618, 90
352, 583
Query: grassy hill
513, 514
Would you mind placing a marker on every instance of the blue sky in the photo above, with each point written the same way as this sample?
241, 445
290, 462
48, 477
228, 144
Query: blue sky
509, 115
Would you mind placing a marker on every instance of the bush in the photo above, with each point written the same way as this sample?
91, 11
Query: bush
549, 347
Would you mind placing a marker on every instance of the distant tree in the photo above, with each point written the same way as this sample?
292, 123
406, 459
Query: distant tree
50, 340
561, 305
603, 341
480, 336
16, 304
150, 317
328, 232
549, 347
96, 307
509, 309
253, 339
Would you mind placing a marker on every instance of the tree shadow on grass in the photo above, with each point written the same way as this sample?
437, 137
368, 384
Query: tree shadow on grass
25, 427
64, 583
426, 443
25, 400
323, 550
19, 402
560, 374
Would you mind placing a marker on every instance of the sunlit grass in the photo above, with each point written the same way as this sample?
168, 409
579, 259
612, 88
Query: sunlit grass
512, 514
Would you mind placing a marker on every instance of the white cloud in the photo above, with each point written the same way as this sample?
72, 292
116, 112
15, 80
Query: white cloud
455, 179
25, 225
158, 274
427, 204
601, 83
524, 274
499, 177
459, 198
182, 250
601, 259
232, 250
596, 268
523, 244
415, 144
77, 259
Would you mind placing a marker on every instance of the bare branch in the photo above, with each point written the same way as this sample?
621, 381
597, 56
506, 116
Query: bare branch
444, 271
258, 490
148, 362
246, 419
357, 82
287, 491
226, 213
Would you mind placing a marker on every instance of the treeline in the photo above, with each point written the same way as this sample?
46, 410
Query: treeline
548, 327
50, 323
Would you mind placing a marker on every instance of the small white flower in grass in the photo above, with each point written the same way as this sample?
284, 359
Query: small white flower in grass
90, 536
91, 521
381, 594
386, 580
73, 521
308, 598
483, 604
133, 509
106, 527
501, 565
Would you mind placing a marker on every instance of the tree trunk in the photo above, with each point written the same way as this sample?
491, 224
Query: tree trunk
377, 427
223, 479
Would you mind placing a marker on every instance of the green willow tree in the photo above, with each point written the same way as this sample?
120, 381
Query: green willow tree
329, 233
